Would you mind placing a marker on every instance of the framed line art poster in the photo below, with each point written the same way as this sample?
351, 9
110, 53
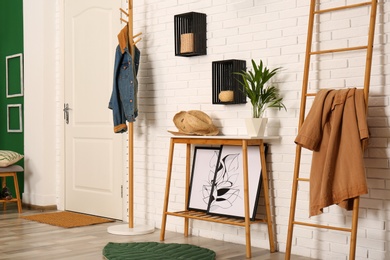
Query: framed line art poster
227, 194
203, 171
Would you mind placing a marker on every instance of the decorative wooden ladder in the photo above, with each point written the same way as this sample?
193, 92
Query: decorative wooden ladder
305, 95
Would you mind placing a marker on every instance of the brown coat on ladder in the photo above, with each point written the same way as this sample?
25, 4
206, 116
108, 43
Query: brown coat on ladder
317, 11
334, 130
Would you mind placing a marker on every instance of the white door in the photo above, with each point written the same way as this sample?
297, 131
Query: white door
93, 153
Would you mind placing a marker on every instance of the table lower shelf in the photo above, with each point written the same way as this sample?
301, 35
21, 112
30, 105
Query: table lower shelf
212, 218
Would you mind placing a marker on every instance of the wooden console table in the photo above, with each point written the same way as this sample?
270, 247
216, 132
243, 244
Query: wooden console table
242, 141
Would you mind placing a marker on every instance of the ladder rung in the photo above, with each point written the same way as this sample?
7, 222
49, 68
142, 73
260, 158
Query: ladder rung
339, 50
303, 179
315, 94
322, 226
341, 8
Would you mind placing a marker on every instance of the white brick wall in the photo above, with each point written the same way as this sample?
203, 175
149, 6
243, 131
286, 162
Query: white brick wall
274, 31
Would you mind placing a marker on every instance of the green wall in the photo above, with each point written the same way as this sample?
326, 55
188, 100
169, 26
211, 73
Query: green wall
11, 43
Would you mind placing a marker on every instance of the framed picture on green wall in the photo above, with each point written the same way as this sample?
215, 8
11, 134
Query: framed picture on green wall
14, 75
14, 118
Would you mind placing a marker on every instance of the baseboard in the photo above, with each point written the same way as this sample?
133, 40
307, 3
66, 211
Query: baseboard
39, 208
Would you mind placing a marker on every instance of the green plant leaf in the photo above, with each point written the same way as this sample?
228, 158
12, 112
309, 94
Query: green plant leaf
255, 87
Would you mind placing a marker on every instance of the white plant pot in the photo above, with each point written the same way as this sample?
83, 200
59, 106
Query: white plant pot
256, 126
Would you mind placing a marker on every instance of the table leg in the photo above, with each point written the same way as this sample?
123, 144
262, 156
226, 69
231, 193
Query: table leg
3, 184
246, 198
266, 196
19, 201
167, 187
188, 163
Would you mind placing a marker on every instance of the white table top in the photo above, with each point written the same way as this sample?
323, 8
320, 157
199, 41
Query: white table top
223, 137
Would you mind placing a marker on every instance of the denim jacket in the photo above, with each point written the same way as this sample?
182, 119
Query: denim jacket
123, 100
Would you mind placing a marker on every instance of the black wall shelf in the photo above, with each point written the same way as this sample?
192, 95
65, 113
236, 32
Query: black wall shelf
190, 34
224, 80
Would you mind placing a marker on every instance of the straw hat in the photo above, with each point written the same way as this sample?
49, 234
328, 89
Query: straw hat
194, 122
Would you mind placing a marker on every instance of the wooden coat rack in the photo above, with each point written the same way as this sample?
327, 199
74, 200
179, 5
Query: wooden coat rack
129, 229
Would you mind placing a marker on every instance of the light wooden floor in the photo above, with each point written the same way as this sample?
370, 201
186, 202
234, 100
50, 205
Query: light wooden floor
24, 239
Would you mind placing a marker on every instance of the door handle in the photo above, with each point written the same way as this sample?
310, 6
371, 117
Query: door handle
66, 113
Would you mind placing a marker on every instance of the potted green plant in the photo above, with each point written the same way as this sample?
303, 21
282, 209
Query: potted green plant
262, 95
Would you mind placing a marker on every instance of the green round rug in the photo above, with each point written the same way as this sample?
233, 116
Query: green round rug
154, 250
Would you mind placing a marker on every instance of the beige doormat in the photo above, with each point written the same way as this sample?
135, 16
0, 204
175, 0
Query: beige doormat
67, 219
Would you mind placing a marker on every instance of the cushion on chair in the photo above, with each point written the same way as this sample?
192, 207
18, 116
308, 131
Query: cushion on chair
8, 158
11, 168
